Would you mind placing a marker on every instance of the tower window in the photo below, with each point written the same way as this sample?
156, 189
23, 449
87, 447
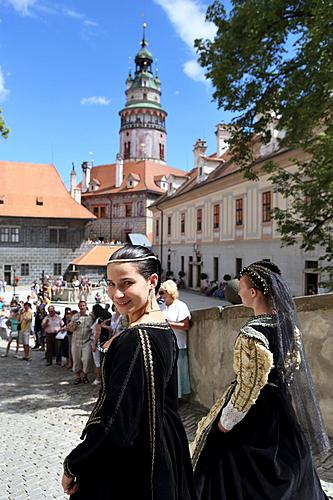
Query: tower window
145, 96
127, 149
161, 151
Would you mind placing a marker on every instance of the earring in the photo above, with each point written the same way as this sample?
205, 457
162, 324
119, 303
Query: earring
151, 298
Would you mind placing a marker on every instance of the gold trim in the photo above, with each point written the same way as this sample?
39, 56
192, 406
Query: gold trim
150, 377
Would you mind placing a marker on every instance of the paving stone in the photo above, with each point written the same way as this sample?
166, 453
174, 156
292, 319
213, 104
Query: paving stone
42, 417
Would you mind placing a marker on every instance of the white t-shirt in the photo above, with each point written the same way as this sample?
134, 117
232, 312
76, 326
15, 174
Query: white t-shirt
177, 312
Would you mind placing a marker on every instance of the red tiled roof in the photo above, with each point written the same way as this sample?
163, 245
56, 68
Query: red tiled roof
36, 190
96, 256
145, 170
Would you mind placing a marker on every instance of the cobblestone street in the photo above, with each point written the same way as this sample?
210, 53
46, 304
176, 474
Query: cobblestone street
42, 416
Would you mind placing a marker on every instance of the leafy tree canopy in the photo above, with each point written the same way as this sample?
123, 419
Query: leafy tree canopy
4, 131
274, 58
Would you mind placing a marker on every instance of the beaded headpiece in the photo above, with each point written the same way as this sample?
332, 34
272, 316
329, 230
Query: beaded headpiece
137, 259
259, 277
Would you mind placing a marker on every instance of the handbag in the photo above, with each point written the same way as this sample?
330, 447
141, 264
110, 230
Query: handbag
61, 335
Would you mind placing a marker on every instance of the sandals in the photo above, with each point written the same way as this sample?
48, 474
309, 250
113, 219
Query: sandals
77, 381
85, 379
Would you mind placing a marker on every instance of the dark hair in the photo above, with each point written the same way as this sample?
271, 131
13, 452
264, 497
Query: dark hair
99, 311
258, 274
27, 304
145, 267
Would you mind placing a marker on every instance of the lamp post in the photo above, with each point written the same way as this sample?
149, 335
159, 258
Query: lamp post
14, 284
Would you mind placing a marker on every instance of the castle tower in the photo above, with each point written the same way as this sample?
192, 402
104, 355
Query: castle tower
142, 128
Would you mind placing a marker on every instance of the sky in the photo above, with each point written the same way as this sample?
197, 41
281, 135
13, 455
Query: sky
63, 67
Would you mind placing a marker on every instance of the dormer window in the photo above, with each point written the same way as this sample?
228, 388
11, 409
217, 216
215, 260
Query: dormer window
2, 200
39, 201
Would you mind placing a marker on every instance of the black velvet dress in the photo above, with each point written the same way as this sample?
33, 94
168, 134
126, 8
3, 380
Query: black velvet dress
265, 455
135, 444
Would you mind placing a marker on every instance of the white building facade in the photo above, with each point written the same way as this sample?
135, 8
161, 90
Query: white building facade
219, 223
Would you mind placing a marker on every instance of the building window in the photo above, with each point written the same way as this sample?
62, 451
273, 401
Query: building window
182, 223
199, 219
102, 213
266, 206
216, 216
14, 234
161, 151
216, 268
127, 149
57, 235
95, 211
169, 226
128, 209
25, 270
157, 228
182, 263
311, 264
57, 269
139, 207
4, 234
239, 212
239, 266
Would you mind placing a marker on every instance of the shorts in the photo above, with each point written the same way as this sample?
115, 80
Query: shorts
25, 338
97, 358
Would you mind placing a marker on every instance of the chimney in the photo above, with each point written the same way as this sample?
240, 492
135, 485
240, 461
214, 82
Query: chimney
85, 176
223, 134
73, 181
119, 170
199, 149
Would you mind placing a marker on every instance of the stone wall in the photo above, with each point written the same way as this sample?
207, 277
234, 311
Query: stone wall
213, 334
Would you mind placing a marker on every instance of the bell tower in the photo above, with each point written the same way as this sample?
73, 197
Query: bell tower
142, 120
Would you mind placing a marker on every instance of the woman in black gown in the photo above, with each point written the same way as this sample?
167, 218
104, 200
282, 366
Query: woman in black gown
134, 442
252, 445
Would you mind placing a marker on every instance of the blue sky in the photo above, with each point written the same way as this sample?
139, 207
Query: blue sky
63, 68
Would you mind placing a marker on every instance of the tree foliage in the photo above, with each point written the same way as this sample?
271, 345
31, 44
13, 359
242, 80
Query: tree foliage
275, 58
4, 131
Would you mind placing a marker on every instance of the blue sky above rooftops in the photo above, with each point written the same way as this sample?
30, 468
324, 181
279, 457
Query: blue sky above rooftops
63, 68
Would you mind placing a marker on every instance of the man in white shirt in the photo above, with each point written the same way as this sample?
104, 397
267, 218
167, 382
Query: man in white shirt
52, 324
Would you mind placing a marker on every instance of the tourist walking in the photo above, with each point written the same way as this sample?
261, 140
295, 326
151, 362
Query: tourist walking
255, 442
12, 324
80, 326
134, 444
4, 316
178, 315
52, 324
25, 329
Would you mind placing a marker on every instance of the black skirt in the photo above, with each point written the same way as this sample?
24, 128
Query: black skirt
264, 457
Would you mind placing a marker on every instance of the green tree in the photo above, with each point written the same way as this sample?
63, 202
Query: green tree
4, 131
274, 58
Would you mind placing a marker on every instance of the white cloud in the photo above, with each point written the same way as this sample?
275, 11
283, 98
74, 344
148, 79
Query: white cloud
177, 92
73, 13
188, 19
29, 7
22, 6
194, 71
97, 100
3, 91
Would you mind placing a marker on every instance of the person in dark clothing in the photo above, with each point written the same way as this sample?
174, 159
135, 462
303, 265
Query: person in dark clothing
257, 441
134, 444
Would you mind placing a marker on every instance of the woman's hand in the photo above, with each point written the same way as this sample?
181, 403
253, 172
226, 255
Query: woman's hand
221, 428
69, 485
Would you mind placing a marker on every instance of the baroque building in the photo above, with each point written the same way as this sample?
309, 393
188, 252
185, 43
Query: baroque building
218, 221
120, 193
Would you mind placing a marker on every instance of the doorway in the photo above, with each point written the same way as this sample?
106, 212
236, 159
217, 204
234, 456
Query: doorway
311, 283
8, 274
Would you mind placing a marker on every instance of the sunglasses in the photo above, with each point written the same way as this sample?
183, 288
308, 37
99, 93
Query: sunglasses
161, 293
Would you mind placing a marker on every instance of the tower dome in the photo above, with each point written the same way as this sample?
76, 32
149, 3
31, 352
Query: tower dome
142, 128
